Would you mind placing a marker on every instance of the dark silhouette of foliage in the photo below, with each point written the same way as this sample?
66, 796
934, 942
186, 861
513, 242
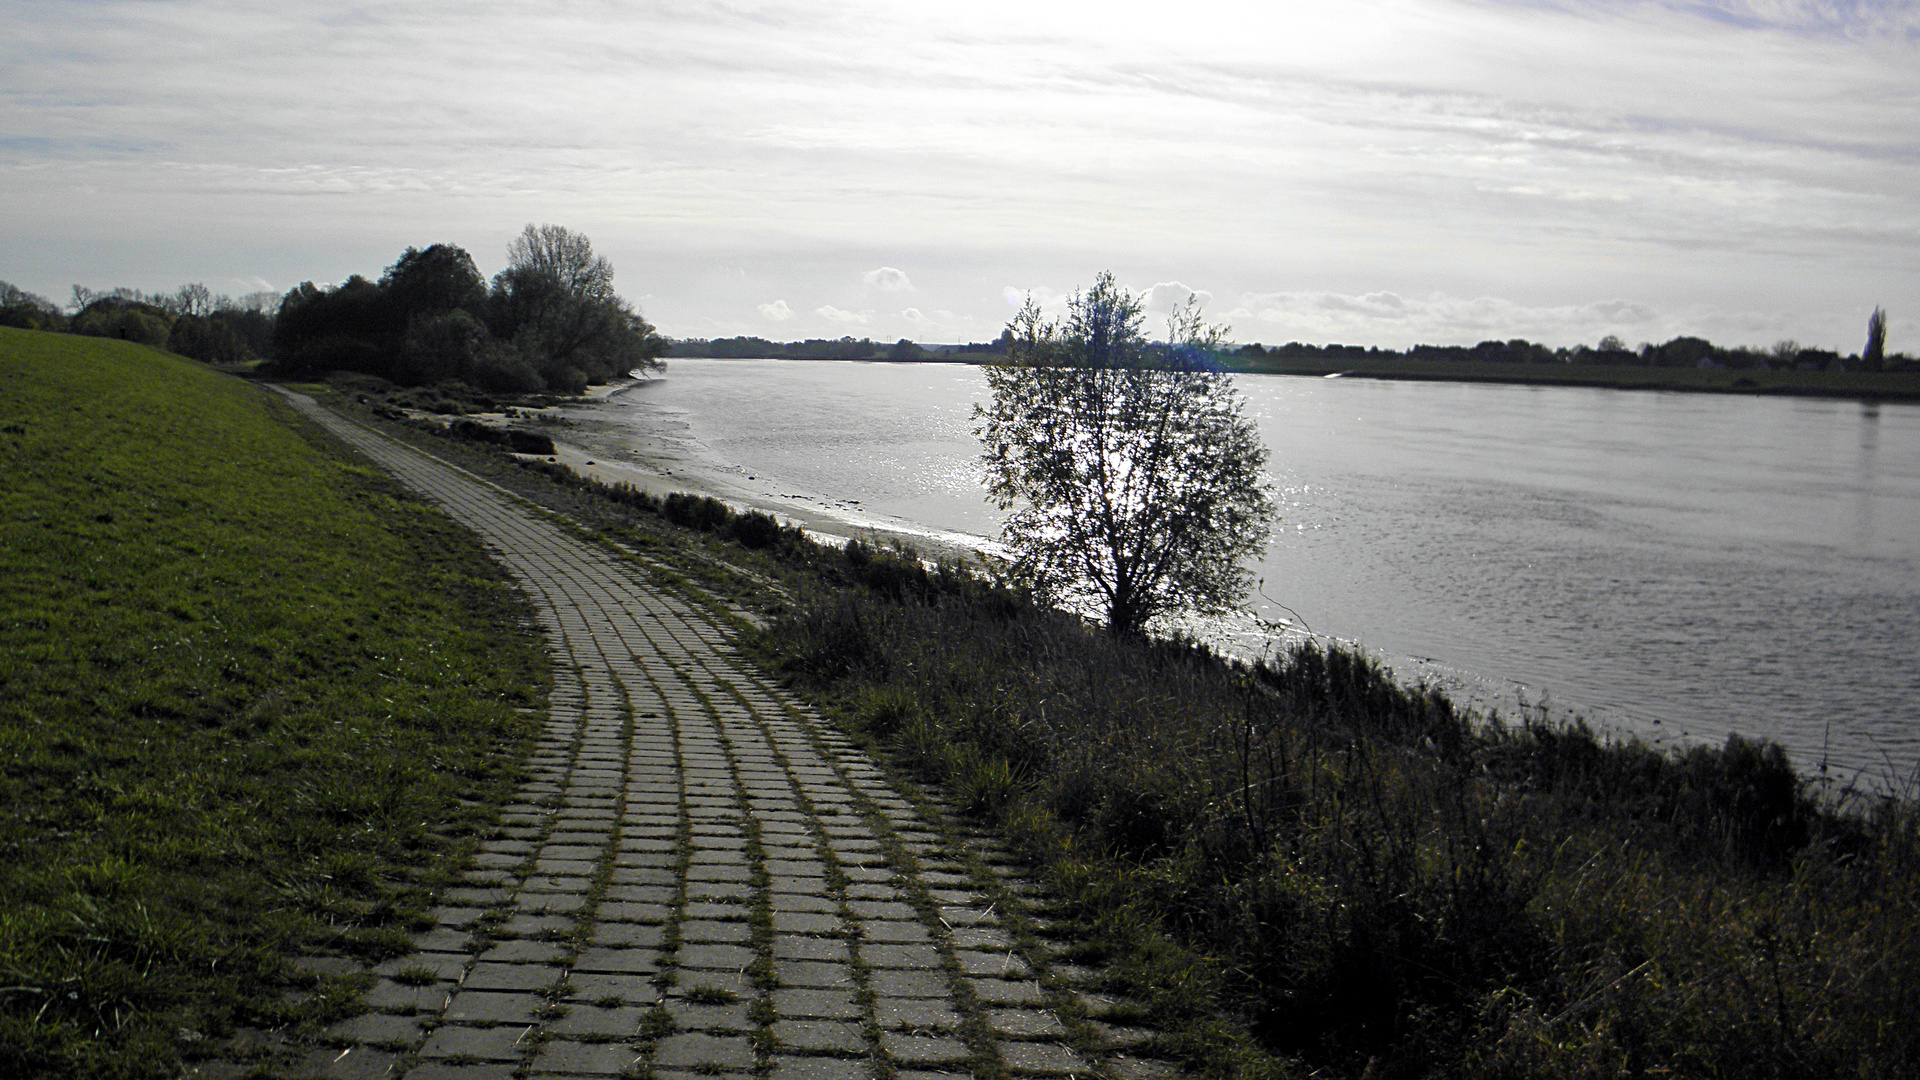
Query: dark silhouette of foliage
551, 320
1874, 356
1137, 485
23, 310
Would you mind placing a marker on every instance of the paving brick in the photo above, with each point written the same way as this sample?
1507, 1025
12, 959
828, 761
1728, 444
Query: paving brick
441, 1070
698, 1050
490, 1007
591, 1059
524, 925
488, 1043
352, 1063
389, 996
819, 1036
981, 937
798, 947
707, 930
801, 902
925, 957
621, 1022
444, 939
1045, 1059
929, 984
811, 973
805, 922
1002, 992
522, 951
511, 977
820, 1068
628, 987
627, 911
1023, 1023
922, 1013
377, 1028
1002, 964
619, 935
1132, 1068
722, 957
923, 1049
816, 1002
688, 1016
631, 961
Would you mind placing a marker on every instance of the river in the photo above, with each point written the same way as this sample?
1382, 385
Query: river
1677, 565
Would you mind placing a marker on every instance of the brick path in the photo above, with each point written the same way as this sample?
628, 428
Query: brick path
700, 879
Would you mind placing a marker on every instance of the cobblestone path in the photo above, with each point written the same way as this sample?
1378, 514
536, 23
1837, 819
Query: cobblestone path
701, 879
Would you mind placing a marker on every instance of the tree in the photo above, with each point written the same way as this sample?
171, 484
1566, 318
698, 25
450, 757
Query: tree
433, 281
1136, 482
555, 303
1874, 356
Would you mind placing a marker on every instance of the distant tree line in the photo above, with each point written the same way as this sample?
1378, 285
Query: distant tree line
846, 348
191, 321
758, 348
1681, 352
549, 321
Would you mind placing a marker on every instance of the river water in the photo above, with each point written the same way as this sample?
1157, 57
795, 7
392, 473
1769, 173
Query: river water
1681, 566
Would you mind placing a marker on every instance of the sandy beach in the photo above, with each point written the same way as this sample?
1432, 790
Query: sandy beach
612, 436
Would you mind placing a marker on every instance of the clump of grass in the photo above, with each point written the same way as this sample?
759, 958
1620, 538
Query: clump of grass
703, 994
245, 685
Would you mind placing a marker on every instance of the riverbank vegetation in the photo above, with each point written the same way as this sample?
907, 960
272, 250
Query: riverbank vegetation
1684, 363
1305, 868
254, 700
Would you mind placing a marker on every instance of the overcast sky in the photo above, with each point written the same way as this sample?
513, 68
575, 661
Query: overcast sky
1364, 171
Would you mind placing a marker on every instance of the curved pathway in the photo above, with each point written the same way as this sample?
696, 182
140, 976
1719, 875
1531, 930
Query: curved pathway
701, 879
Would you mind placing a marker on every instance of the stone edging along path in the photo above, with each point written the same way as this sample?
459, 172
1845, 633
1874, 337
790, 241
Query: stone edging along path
699, 878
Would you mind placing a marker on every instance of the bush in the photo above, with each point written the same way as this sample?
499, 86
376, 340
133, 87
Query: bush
126, 320
755, 529
529, 442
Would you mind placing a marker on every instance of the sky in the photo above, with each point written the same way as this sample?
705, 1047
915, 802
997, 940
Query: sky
1373, 172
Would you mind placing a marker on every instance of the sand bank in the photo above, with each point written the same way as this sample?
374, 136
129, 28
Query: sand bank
614, 435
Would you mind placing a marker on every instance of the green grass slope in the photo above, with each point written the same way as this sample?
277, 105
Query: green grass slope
251, 697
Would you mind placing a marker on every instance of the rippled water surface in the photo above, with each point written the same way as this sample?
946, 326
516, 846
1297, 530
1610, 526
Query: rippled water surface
1686, 565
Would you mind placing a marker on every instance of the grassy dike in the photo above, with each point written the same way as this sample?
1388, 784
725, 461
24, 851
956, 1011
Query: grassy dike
1306, 869
253, 700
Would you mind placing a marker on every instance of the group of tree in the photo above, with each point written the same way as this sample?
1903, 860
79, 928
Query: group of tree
191, 321
905, 350
1681, 352
549, 321
759, 348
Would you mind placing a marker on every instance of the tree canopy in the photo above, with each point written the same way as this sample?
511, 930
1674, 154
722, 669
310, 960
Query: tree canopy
1136, 482
550, 321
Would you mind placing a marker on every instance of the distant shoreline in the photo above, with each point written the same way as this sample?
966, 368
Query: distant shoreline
1895, 387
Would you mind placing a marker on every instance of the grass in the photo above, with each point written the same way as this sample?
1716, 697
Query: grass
1887, 386
1304, 866
253, 698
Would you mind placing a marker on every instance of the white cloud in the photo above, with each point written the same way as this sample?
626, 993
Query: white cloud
778, 311
843, 317
913, 315
887, 279
1390, 320
1168, 295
